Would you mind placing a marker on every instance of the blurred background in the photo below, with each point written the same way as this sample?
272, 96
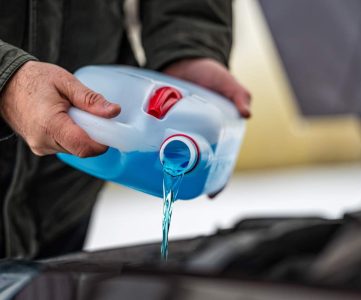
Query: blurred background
301, 154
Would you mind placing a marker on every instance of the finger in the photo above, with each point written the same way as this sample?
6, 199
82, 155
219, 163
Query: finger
52, 148
44, 145
240, 97
242, 101
236, 93
86, 99
57, 148
75, 140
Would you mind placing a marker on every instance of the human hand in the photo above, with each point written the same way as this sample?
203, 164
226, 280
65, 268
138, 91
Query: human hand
35, 102
211, 74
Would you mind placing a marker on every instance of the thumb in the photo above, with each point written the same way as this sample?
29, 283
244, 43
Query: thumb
86, 99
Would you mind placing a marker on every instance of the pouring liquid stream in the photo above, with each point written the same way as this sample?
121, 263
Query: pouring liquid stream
175, 163
171, 186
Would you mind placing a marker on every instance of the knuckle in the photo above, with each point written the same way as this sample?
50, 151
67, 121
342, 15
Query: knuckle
39, 145
91, 98
37, 149
66, 83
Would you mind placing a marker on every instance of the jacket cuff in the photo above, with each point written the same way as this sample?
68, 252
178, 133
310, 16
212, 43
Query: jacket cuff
11, 66
161, 54
162, 60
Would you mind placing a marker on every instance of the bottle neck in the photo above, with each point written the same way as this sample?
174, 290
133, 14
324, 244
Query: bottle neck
179, 155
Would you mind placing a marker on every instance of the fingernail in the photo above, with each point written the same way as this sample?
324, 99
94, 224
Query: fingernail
245, 112
113, 109
110, 106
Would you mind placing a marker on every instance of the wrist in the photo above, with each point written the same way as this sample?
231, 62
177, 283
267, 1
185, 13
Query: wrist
11, 72
5, 130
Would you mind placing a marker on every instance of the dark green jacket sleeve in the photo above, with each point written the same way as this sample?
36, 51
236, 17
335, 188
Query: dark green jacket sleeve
11, 59
177, 29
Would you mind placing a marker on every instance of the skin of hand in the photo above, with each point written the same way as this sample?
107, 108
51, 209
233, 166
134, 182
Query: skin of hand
214, 76
211, 74
35, 102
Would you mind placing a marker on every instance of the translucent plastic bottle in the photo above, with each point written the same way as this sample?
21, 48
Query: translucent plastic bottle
193, 130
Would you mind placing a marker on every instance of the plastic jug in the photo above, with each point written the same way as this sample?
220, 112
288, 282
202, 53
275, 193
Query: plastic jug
162, 119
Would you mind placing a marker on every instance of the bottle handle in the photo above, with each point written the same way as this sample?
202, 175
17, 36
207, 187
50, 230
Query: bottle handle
108, 132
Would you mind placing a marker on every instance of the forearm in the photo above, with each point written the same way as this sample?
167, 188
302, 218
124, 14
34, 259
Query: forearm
11, 59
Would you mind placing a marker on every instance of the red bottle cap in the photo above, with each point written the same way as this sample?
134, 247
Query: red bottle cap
162, 101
